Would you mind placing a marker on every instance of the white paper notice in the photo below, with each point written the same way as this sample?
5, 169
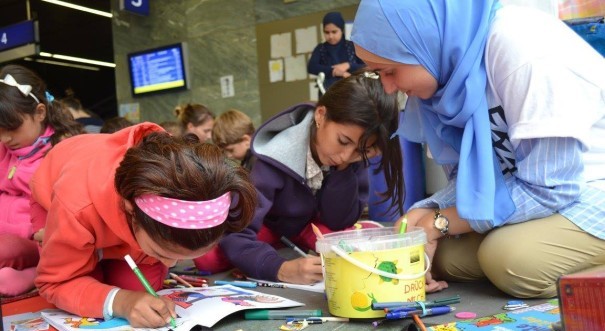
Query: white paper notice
296, 68
306, 39
276, 70
281, 45
227, 89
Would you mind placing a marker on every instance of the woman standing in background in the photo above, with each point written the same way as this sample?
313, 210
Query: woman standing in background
336, 56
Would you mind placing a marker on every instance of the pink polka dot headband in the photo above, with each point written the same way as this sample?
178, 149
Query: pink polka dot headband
185, 214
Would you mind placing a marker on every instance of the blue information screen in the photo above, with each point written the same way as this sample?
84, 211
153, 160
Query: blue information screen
17, 35
157, 70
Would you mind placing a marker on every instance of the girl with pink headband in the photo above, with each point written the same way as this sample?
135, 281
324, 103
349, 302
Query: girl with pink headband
140, 192
30, 123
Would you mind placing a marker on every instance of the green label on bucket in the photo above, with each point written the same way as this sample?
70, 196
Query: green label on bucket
351, 290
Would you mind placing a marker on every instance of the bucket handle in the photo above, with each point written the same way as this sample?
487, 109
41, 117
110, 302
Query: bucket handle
363, 266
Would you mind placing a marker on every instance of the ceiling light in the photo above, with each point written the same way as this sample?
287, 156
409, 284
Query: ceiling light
78, 7
78, 59
64, 64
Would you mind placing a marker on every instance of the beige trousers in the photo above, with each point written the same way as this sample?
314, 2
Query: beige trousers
524, 260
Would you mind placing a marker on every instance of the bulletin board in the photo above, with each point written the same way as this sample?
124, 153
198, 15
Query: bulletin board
294, 87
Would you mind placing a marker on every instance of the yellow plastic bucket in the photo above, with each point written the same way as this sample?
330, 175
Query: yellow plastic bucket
372, 265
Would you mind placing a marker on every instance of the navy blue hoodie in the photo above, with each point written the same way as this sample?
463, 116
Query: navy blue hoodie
286, 204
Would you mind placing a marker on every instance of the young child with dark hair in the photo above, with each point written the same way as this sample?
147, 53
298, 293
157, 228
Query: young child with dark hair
311, 167
139, 191
232, 132
30, 123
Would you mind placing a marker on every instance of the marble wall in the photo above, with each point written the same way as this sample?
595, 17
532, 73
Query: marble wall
221, 38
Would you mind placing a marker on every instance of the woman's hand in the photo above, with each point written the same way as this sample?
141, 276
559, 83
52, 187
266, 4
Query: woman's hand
142, 309
304, 270
423, 218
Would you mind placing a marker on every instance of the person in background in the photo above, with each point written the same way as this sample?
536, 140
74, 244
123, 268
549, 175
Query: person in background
108, 195
115, 124
232, 132
91, 122
30, 123
196, 119
336, 56
311, 167
172, 127
511, 102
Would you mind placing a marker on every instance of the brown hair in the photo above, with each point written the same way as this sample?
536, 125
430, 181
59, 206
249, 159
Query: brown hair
182, 168
115, 124
172, 127
230, 126
360, 100
14, 105
195, 114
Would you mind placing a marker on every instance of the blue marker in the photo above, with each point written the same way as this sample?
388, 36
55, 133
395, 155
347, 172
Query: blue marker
440, 310
238, 283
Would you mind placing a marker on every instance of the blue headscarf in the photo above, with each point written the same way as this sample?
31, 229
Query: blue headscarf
448, 39
336, 19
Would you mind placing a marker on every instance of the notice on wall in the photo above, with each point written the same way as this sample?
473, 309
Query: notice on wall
130, 111
227, 89
276, 70
306, 39
296, 68
281, 45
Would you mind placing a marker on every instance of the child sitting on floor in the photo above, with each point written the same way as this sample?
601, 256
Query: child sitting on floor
139, 191
30, 123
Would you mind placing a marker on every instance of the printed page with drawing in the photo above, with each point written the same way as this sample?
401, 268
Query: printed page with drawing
203, 306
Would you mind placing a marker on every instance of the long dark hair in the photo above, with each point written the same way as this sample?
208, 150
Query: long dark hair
14, 105
361, 100
182, 168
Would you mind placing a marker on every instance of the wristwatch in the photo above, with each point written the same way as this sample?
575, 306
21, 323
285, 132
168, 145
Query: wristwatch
441, 222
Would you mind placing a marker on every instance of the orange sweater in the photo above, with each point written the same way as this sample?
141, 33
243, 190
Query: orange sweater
85, 221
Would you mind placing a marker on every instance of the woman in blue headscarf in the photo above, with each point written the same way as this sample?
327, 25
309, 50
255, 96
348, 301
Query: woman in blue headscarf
336, 56
511, 102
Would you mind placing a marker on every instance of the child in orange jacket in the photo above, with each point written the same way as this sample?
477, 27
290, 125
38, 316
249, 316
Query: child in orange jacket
139, 191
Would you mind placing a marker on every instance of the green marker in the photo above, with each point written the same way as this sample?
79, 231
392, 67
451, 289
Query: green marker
404, 224
276, 314
145, 282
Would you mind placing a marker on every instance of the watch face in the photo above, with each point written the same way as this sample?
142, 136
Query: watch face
441, 222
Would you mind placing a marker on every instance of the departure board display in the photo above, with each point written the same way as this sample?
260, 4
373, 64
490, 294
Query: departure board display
158, 70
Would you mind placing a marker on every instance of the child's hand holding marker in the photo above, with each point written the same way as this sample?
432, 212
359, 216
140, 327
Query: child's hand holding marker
143, 309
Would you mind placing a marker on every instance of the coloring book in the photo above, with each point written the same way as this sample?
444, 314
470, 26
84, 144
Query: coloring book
24, 322
195, 306
534, 318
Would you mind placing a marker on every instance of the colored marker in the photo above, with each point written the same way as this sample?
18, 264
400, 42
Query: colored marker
293, 246
317, 231
323, 319
276, 314
180, 280
145, 282
440, 310
239, 283
404, 224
